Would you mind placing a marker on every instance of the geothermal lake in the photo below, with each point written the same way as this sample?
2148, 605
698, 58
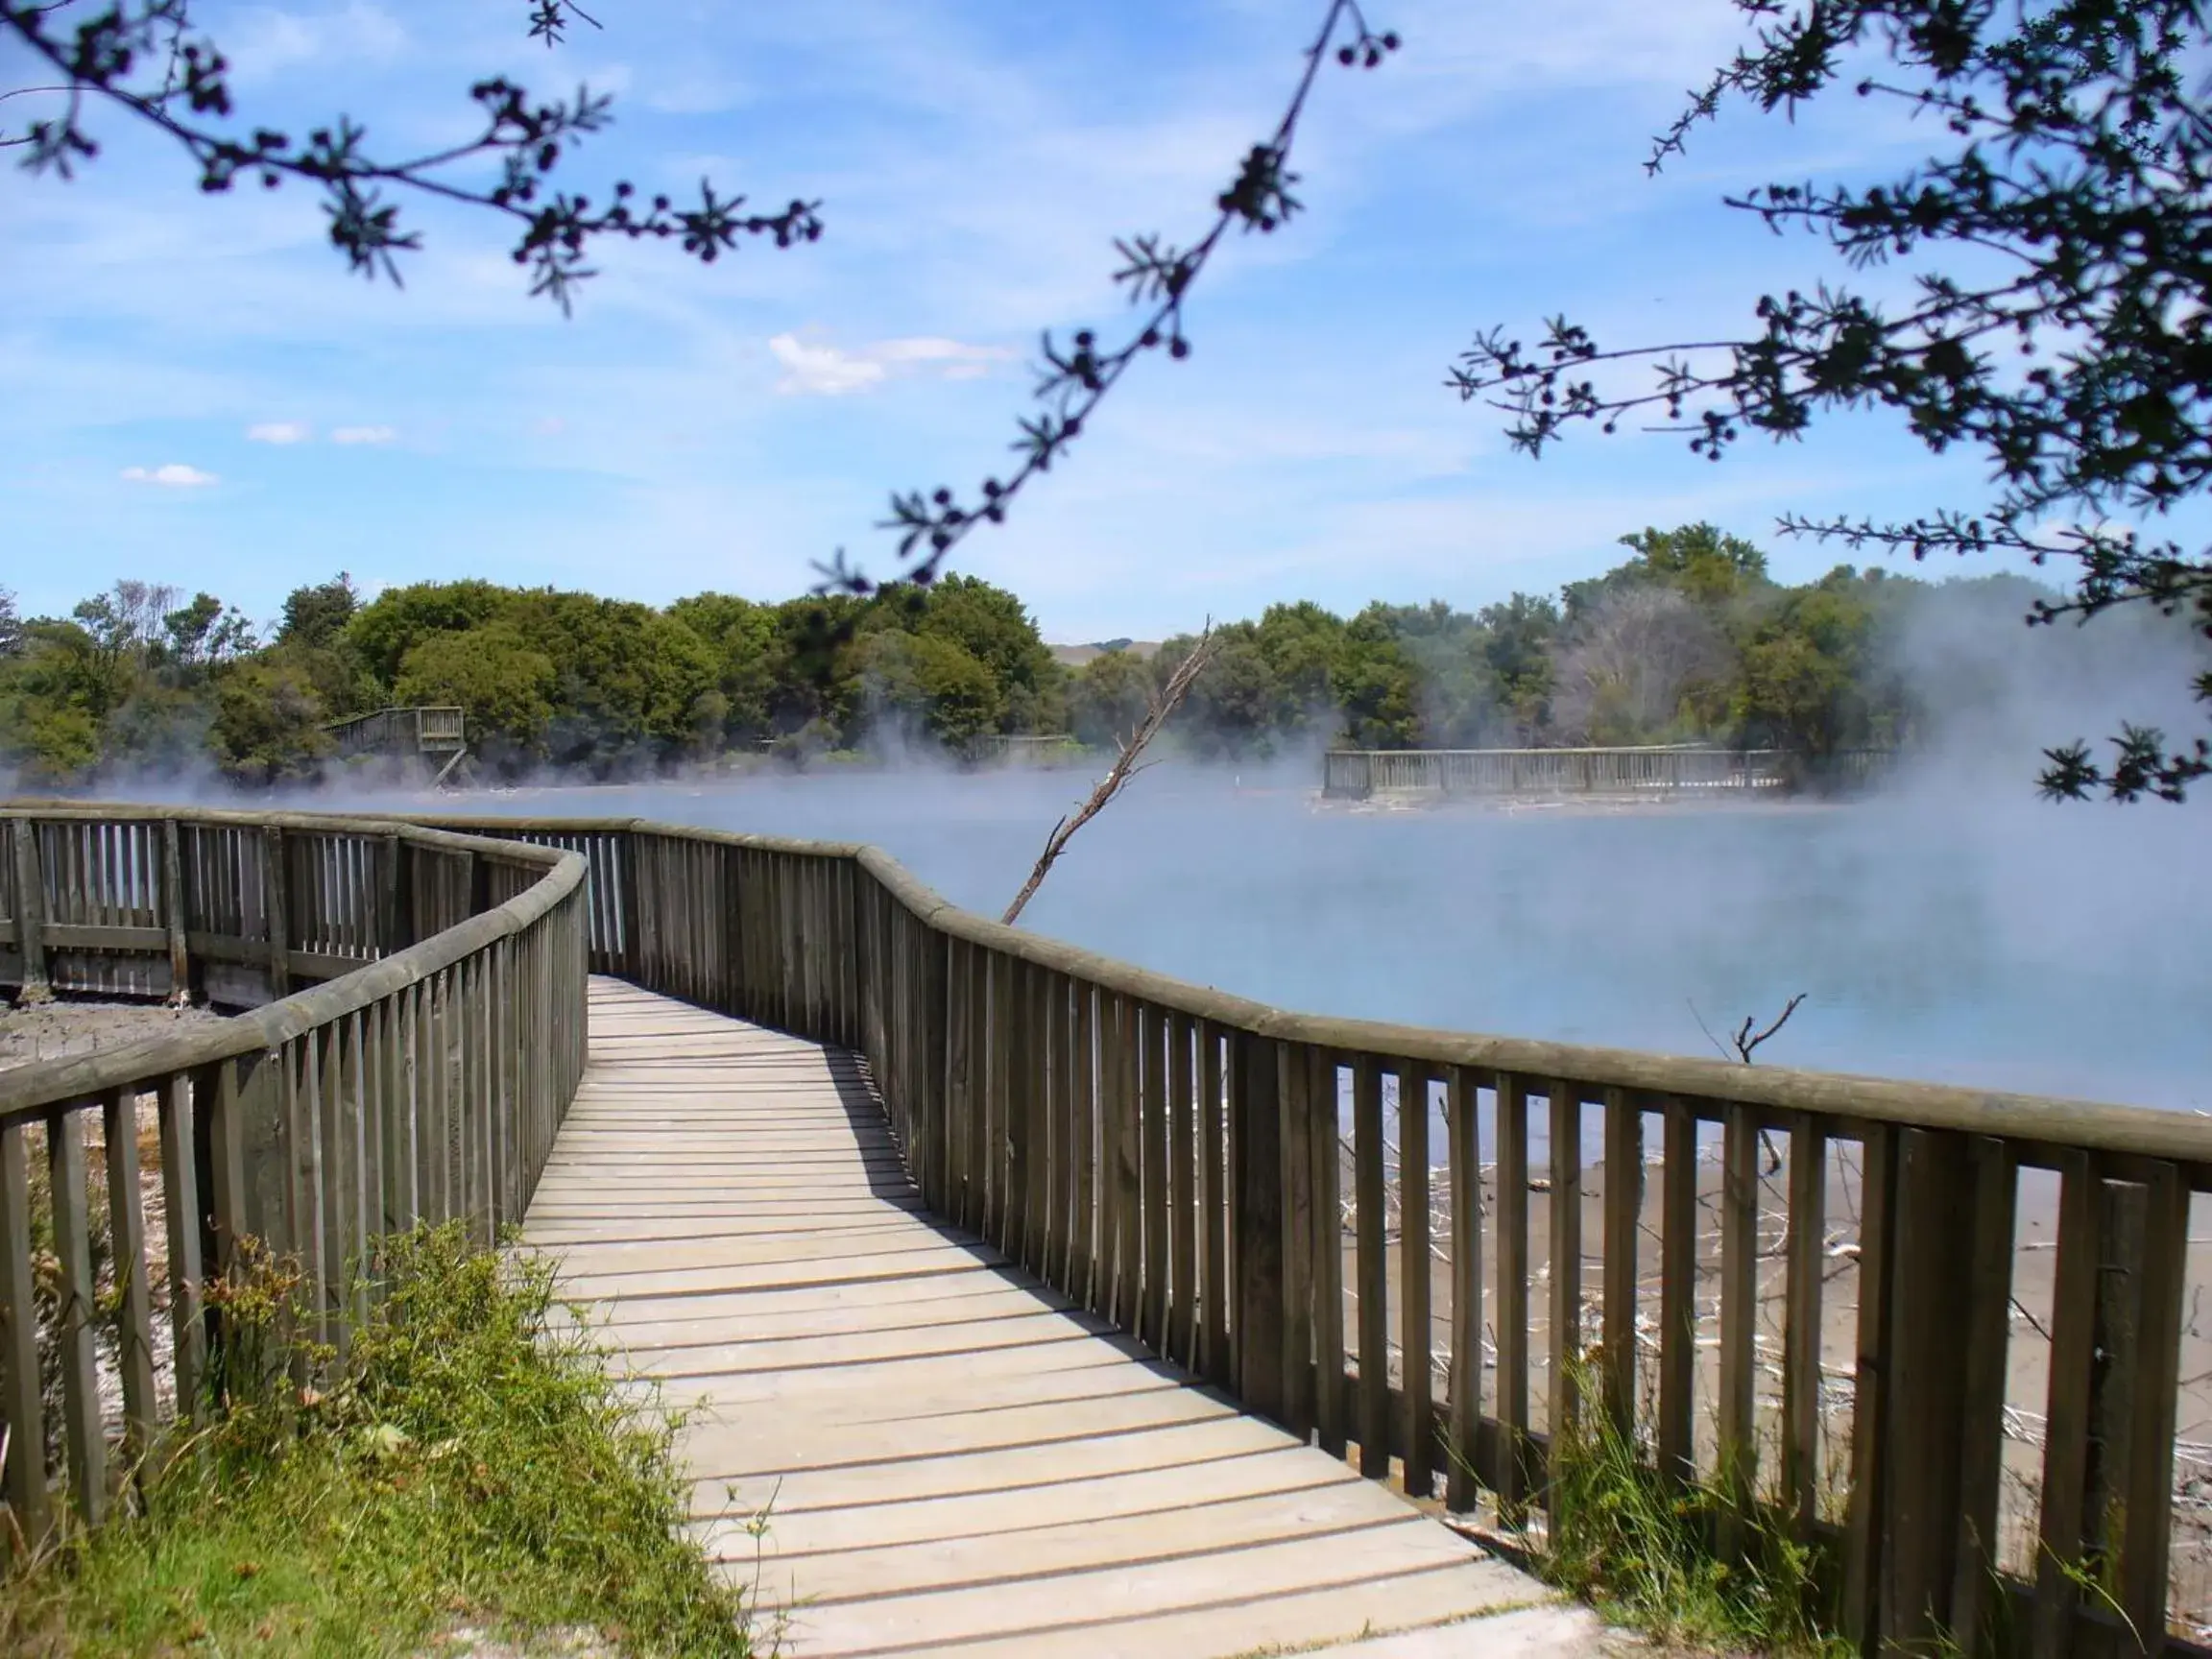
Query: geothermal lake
1984, 939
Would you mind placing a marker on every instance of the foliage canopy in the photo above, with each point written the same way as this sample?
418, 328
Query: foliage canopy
2069, 343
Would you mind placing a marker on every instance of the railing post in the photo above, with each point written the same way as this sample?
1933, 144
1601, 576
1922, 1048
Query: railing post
394, 926
29, 910
19, 1381
936, 1062
1255, 1137
1931, 1257
275, 880
173, 911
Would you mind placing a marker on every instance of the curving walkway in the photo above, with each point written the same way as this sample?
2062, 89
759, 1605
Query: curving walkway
954, 1459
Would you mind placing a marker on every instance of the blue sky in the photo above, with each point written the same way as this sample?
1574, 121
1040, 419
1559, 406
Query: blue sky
196, 393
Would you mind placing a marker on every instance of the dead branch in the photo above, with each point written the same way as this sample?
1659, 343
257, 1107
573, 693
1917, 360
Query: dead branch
1162, 704
1745, 1043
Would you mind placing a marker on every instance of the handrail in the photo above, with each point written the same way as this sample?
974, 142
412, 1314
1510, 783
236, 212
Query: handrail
27, 1091
1177, 1159
422, 1080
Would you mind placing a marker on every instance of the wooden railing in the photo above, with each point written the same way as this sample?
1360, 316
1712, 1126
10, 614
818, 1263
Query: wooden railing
1933, 1335
1358, 774
422, 731
422, 1079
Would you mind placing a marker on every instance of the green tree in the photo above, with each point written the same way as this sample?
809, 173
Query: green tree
2074, 139
504, 687
1235, 704
994, 628
400, 618
1106, 697
743, 639
316, 617
627, 677
1302, 646
928, 683
267, 725
1517, 641
1377, 684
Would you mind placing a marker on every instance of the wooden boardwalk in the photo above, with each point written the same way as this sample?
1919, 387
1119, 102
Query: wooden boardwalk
953, 1458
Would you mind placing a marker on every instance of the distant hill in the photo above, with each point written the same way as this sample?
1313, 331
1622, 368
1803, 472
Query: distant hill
1075, 656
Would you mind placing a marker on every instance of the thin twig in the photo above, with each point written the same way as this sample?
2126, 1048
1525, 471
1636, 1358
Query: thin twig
1158, 708
1745, 1043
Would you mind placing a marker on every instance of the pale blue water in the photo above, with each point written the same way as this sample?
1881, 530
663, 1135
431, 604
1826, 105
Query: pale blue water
1992, 941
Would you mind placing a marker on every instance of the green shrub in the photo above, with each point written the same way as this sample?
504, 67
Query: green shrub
469, 1459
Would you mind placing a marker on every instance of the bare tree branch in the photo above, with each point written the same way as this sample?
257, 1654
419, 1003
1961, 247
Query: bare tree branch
1162, 704
1745, 1043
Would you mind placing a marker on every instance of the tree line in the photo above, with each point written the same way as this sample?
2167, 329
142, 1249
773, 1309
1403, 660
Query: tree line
1688, 640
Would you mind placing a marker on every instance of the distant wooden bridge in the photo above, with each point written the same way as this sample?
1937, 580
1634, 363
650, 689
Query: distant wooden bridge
418, 745
1045, 1303
1677, 770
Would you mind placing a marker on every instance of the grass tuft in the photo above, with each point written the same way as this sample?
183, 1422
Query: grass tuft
1640, 1548
469, 1459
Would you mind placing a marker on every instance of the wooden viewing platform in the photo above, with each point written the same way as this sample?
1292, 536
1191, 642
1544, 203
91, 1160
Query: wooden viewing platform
954, 1458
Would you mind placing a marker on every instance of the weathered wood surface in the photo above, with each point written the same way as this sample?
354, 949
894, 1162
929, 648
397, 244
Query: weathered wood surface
951, 1456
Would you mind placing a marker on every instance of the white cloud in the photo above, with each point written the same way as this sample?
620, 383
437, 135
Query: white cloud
827, 370
278, 432
175, 475
264, 42
363, 435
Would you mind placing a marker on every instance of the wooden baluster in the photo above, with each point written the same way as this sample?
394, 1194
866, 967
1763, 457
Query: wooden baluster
975, 1205
83, 1441
1324, 1149
1044, 1222
1216, 1197
1679, 1292
1564, 1207
276, 911
1987, 1341
1805, 1256
1128, 1180
1463, 1143
29, 909
1924, 1365
126, 1246
1009, 1044
2067, 1418
19, 1386
1087, 1240
1294, 1081
1416, 1338
2146, 1493
1623, 1219
173, 911
1514, 1471
182, 1102
1183, 1219
1152, 1148
1369, 1199
1738, 1452
1256, 1151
